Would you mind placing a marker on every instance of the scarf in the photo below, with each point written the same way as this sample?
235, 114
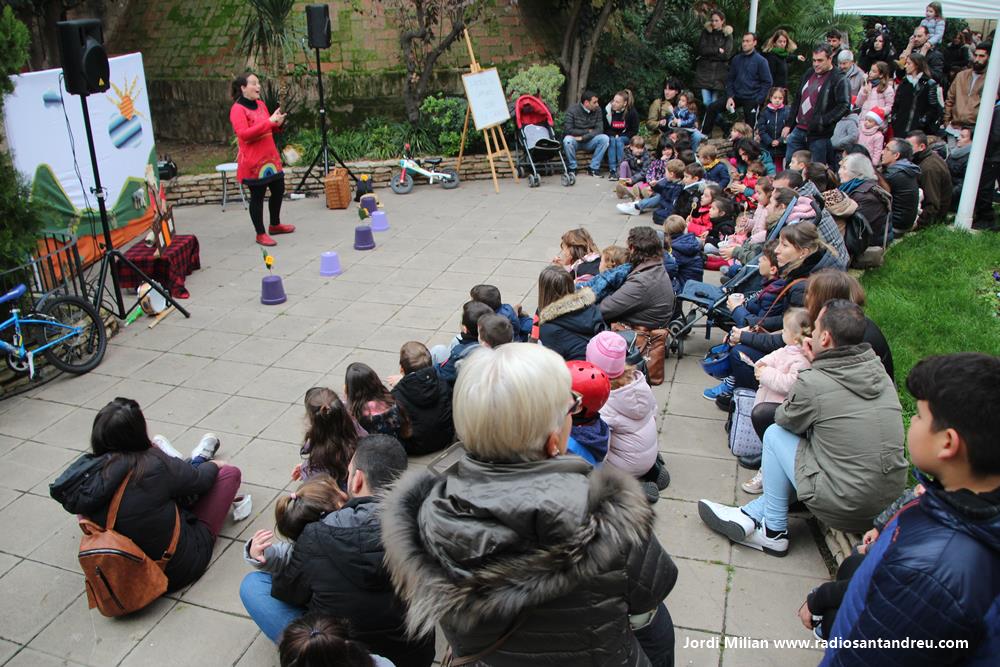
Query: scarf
775, 108
781, 53
850, 186
708, 165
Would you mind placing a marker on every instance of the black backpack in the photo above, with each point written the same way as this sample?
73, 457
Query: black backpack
857, 235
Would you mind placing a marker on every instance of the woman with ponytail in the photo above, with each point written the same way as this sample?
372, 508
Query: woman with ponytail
320, 641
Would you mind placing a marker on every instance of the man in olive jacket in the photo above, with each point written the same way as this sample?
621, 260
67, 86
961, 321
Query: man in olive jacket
934, 180
836, 444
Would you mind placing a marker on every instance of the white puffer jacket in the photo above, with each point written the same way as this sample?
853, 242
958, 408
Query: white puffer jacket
631, 415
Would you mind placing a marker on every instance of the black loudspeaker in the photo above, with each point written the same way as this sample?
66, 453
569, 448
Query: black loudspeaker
318, 24
84, 60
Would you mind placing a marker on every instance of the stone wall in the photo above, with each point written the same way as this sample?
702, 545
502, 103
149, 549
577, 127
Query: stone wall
207, 188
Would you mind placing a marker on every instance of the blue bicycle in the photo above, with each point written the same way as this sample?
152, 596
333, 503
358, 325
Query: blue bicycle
67, 330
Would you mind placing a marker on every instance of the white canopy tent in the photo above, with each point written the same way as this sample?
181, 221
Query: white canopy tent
965, 9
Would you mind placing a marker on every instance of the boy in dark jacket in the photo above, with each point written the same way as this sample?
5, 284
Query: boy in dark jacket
694, 185
686, 251
722, 214
934, 572
336, 565
471, 312
715, 169
490, 295
425, 398
669, 191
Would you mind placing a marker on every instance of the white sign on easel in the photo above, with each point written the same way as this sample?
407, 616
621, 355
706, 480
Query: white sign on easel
486, 98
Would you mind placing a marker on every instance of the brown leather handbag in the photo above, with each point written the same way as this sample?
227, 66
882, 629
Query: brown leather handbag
120, 577
757, 328
653, 345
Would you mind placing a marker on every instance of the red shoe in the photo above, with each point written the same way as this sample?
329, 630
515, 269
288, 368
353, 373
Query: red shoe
264, 239
281, 229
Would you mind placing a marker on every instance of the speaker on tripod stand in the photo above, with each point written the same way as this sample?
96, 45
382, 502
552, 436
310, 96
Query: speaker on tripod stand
318, 25
86, 71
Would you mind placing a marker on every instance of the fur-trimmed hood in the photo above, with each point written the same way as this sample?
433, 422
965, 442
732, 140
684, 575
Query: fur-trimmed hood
727, 29
490, 540
570, 303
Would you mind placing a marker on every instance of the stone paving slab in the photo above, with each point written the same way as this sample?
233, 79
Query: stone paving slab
240, 369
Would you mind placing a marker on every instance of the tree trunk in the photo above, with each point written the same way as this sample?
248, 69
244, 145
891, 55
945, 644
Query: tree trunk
591, 46
654, 18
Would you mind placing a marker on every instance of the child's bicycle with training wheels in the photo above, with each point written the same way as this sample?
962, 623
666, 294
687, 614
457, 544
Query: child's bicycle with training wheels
66, 330
402, 181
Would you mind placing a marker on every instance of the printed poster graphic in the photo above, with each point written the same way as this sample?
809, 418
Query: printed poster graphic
45, 128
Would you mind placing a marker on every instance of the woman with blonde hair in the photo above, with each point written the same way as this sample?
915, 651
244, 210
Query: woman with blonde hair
519, 551
779, 50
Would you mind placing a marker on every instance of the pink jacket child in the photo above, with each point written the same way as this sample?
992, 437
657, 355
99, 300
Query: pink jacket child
778, 371
882, 100
630, 411
871, 136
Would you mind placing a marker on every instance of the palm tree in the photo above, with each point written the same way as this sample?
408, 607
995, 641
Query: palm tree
269, 38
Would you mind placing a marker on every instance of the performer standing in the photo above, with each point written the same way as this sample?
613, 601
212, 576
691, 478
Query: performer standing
259, 165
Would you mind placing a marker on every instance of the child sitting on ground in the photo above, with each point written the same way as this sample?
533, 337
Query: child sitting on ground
490, 295
743, 190
426, 400
630, 413
578, 254
749, 311
871, 136
722, 215
778, 371
694, 185
700, 222
668, 190
686, 250
494, 330
589, 436
331, 437
447, 370
683, 115
634, 166
372, 405
657, 172
315, 639
658, 165
614, 269
799, 161
715, 169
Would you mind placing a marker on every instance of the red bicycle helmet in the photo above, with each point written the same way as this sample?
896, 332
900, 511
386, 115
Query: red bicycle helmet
592, 384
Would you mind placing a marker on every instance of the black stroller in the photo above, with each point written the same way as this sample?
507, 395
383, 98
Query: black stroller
708, 303
536, 142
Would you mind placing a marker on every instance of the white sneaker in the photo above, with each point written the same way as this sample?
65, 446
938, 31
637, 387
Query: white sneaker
164, 446
773, 546
627, 208
727, 520
755, 485
242, 506
207, 447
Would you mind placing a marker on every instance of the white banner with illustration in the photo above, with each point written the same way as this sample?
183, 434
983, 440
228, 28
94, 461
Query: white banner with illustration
48, 141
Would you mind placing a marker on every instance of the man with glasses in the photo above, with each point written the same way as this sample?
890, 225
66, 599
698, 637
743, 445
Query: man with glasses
823, 100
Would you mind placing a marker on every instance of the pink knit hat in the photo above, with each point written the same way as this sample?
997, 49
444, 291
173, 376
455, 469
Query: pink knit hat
607, 351
877, 114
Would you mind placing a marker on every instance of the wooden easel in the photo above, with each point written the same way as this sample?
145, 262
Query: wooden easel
493, 135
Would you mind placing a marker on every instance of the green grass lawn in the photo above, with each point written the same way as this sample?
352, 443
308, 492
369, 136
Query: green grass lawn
936, 294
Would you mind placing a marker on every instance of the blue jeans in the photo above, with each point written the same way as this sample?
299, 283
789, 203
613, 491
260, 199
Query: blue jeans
597, 145
648, 203
616, 151
270, 614
821, 149
778, 467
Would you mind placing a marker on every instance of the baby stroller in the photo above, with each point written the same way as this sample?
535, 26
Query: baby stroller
708, 303
537, 143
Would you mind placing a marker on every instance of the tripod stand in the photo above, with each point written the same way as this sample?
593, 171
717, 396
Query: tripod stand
111, 256
326, 149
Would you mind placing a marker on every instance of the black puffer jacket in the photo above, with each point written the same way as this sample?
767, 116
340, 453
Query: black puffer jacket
564, 551
712, 67
917, 107
426, 399
566, 325
336, 568
146, 515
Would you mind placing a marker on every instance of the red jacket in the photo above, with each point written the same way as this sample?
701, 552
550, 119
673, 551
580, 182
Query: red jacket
699, 222
258, 156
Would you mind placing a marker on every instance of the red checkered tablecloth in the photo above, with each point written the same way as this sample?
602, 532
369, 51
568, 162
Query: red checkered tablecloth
176, 262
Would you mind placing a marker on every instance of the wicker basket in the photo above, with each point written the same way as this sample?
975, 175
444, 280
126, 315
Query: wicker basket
338, 189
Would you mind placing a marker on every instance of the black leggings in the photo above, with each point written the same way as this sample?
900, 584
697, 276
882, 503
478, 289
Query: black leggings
257, 192
762, 417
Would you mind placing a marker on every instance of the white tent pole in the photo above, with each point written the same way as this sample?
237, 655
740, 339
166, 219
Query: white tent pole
970, 186
752, 27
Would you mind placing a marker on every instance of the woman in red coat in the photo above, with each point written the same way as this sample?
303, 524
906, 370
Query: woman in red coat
259, 165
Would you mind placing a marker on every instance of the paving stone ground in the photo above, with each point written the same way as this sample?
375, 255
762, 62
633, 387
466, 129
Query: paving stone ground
240, 369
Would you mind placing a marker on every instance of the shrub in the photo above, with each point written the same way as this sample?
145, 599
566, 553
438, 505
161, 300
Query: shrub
544, 80
443, 119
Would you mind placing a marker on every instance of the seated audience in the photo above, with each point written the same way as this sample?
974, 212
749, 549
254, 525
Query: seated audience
699, 221
426, 399
372, 405
330, 439
958, 162
447, 370
489, 574
646, 299
159, 487
317, 641
902, 176
686, 251
567, 318
716, 170
934, 181
932, 568
722, 215
490, 295
859, 182
578, 254
584, 127
750, 311
495, 330
838, 257
614, 269
872, 134
335, 565
590, 434
836, 445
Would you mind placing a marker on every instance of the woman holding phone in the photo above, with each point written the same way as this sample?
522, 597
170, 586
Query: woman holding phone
258, 162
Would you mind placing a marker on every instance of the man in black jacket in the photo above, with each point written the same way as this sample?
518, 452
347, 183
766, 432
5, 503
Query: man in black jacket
823, 100
902, 176
336, 566
584, 126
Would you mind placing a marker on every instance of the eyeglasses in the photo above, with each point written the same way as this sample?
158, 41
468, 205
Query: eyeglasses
577, 398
